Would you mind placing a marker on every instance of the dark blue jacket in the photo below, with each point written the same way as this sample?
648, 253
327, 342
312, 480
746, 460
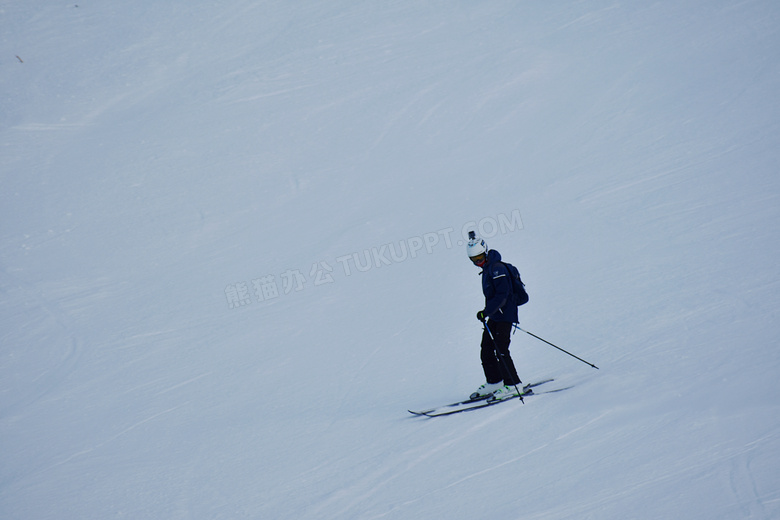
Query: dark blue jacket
497, 288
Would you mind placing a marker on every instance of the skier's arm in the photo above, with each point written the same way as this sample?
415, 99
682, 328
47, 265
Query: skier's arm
502, 286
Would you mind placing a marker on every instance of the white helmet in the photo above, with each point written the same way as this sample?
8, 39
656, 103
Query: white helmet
476, 245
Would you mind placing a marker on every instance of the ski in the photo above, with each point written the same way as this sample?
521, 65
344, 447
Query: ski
470, 404
440, 412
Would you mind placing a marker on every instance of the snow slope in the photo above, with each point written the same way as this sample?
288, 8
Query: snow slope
231, 258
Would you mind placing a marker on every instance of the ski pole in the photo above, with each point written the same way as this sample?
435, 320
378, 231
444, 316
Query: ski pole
556, 346
501, 357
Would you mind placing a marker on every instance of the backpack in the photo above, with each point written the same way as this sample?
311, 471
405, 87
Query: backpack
518, 287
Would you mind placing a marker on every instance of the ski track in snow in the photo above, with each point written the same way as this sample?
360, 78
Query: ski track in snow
118, 435
65, 349
352, 497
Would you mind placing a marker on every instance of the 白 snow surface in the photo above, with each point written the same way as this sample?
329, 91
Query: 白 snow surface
231, 257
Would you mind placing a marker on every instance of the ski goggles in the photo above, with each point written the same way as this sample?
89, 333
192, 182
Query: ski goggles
479, 259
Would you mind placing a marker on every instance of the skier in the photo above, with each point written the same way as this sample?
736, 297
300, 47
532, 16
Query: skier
498, 316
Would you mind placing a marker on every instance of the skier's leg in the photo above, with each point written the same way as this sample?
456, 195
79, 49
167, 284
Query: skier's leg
502, 334
490, 363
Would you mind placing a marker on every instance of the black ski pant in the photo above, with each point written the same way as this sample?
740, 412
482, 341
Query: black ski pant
496, 361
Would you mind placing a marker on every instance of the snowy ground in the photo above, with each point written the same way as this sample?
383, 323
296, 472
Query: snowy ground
231, 258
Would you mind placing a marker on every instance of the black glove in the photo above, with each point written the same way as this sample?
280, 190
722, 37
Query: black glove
481, 316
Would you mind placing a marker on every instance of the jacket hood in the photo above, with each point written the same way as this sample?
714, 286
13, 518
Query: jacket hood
493, 256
